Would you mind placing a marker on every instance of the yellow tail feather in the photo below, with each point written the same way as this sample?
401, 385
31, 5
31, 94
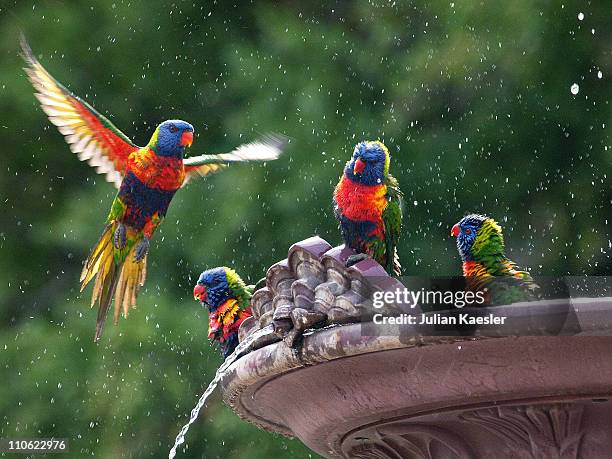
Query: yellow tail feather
101, 251
121, 281
132, 277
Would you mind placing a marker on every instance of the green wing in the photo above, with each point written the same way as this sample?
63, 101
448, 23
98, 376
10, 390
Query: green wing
261, 283
510, 285
392, 219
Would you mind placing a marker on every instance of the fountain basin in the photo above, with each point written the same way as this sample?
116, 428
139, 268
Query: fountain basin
347, 395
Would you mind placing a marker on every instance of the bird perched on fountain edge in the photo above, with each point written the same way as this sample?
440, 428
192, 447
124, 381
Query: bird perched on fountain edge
480, 243
147, 178
367, 205
227, 298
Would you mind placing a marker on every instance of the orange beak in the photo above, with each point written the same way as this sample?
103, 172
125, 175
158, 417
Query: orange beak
359, 166
199, 293
187, 139
455, 230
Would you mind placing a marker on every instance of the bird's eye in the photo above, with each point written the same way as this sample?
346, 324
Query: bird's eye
468, 231
173, 128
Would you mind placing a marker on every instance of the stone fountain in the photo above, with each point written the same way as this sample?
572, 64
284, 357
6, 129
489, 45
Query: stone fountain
348, 394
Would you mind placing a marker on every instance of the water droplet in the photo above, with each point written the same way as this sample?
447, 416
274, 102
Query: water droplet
599, 75
580, 16
575, 89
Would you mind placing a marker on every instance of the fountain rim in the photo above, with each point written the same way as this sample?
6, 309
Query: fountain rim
324, 345
232, 386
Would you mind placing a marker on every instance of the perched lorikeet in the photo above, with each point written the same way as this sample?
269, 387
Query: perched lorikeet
227, 298
367, 205
485, 266
147, 178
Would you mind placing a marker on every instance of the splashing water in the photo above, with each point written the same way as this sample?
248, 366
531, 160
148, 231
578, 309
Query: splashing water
241, 349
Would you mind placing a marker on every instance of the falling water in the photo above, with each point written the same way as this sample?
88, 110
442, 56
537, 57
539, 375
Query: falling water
242, 348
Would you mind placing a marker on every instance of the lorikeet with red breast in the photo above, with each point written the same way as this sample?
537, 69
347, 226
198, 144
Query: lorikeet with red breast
480, 243
147, 178
367, 205
223, 292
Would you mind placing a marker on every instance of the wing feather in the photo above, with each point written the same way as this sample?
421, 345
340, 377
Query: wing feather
88, 133
392, 220
267, 148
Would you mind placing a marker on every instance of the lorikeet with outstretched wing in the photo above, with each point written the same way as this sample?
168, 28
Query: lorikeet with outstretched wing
227, 298
147, 178
367, 205
485, 266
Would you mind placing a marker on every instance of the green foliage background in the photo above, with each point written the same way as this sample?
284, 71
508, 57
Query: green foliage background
472, 98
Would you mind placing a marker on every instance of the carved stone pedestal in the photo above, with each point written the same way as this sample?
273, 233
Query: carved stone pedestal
346, 395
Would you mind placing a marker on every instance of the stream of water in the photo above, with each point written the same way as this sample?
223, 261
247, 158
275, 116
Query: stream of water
240, 350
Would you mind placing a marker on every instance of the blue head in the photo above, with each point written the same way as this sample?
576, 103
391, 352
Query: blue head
171, 137
369, 164
478, 236
213, 288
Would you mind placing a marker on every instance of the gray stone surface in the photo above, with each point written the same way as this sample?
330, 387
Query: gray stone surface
348, 395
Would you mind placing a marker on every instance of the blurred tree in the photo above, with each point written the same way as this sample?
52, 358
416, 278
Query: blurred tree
473, 100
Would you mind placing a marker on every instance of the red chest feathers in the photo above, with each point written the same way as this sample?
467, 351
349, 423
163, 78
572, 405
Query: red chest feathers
157, 171
361, 202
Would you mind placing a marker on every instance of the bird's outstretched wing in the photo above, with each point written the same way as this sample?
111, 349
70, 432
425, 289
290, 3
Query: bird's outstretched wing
90, 135
266, 148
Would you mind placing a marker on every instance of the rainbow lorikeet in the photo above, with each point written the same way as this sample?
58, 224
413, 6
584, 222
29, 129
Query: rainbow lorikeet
367, 205
227, 298
485, 266
147, 178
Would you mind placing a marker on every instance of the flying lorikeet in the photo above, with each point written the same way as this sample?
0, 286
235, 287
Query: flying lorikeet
485, 266
147, 178
227, 298
367, 205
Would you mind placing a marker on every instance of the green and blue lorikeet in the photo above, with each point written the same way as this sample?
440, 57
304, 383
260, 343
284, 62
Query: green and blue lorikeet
485, 266
147, 178
227, 298
367, 205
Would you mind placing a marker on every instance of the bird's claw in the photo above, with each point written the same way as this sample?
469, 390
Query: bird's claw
120, 237
291, 327
354, 259
142, 249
